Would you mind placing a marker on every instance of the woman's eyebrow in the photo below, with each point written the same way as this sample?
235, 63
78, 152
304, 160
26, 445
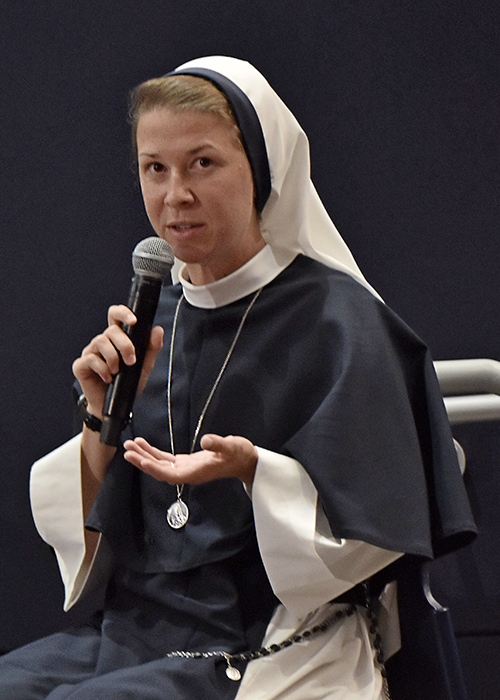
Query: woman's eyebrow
192, 151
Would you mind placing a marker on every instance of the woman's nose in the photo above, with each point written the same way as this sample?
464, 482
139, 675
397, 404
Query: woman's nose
178, 191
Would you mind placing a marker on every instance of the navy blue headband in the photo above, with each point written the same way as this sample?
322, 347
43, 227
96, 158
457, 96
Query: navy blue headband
249, 125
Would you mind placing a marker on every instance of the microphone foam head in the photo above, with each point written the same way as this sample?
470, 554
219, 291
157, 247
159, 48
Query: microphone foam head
152, 257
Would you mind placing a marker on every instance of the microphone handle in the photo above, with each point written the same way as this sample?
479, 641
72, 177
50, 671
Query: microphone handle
120, 395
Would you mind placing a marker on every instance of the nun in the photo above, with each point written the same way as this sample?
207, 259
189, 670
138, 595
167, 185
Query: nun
289, 450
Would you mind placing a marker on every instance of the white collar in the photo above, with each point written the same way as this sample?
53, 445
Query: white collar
254, 274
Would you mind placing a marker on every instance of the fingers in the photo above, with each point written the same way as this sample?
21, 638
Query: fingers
215, 443
100, 360
238, 456
150, 460
141, 447
219, 458
154, 347
115, 337
119, 313
230, 447
156, 339
111, 344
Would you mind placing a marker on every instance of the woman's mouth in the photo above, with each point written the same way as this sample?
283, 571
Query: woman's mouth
183, 230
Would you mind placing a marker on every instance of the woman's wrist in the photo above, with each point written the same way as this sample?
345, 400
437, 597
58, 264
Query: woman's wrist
89, 416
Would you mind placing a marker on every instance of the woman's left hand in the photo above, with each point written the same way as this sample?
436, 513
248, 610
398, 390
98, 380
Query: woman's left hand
219, 458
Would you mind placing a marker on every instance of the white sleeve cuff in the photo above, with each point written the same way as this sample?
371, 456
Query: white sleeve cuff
56, 503
306, 565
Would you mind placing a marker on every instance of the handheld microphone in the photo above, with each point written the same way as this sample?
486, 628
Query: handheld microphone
152, 260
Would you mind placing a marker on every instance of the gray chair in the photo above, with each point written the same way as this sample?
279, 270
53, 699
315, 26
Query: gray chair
429, 654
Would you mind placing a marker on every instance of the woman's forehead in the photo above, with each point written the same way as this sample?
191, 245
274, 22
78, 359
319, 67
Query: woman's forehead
183, 128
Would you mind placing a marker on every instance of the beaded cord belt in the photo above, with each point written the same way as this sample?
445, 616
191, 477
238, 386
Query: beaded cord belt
235, 675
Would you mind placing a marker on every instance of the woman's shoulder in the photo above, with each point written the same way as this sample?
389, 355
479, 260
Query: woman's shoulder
304, 271
323, 286
330, 295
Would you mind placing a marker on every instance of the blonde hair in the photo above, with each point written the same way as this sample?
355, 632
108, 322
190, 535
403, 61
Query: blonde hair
180, 92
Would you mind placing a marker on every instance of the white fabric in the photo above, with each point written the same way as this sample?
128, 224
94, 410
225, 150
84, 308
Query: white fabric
258, 271
307, 567
285, 501
285, 507
294, 218
335, 665
306, 564
56, 503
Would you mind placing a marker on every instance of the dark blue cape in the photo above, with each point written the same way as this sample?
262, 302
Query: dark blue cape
323, 372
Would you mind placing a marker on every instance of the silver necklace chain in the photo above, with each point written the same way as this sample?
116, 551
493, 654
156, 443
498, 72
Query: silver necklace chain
178, 513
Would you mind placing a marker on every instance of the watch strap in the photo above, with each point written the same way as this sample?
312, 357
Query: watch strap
92, 422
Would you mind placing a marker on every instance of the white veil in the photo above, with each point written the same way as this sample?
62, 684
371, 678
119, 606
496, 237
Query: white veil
294, 218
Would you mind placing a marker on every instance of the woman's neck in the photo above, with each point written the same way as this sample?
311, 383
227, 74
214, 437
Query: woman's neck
261, 269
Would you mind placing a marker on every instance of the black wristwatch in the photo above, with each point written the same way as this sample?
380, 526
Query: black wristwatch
92, 422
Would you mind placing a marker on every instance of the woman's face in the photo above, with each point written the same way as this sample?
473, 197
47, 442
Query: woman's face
198, 191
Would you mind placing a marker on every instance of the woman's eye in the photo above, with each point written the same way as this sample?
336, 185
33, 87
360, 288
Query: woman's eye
153, 167
205, 162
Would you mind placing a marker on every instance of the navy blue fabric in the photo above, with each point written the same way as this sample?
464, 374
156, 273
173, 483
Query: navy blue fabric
123, 655
251, 131
324, 372
33, 671
62, 667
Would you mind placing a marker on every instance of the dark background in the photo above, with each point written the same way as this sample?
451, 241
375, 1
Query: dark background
400, 100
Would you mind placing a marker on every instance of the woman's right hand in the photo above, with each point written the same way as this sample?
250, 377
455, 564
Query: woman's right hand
100, 360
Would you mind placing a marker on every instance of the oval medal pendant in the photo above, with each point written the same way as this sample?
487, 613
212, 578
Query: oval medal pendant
233, 673
178, 514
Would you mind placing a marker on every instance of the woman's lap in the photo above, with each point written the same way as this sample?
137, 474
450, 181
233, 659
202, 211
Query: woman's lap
62, 667
175, 679
30, 672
